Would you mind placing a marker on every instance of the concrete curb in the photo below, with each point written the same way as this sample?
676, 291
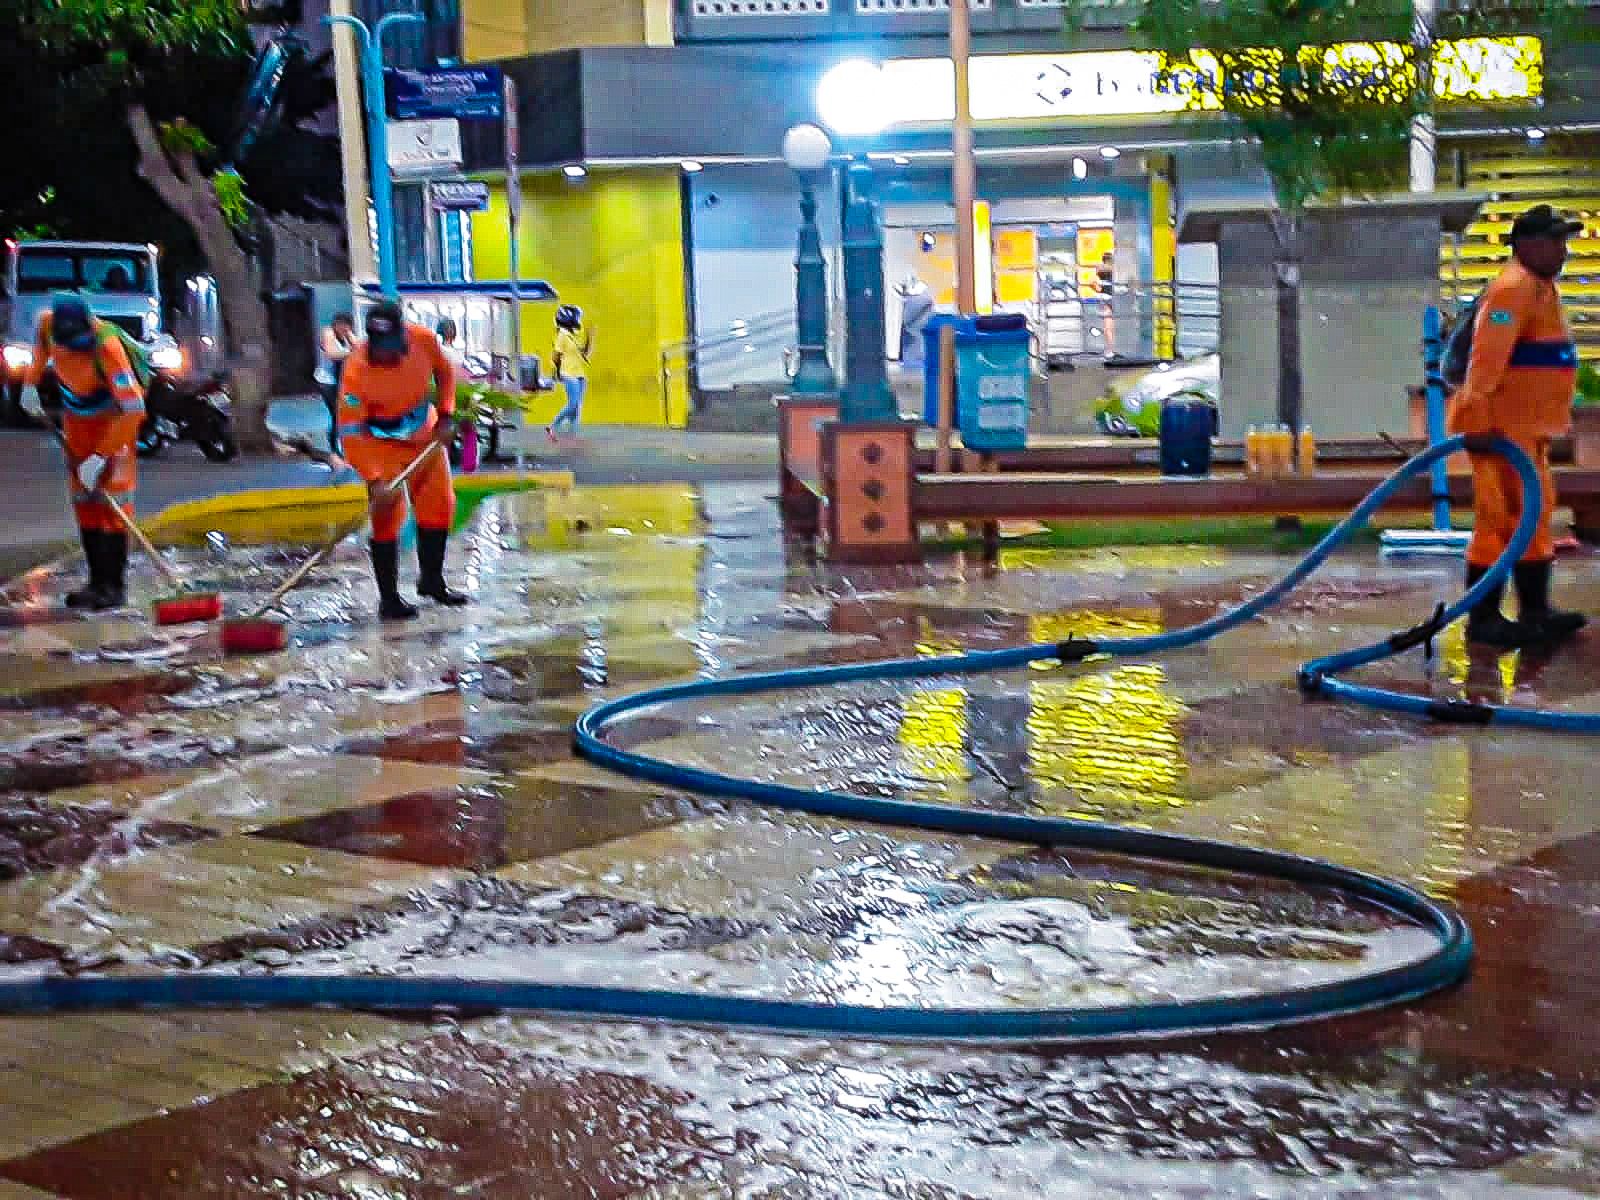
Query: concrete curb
338, 495
275, 500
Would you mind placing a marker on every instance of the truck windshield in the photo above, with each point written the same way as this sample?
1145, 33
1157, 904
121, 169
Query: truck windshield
55, 270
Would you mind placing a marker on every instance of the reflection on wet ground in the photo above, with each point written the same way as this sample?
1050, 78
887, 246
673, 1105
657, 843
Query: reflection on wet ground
406, 801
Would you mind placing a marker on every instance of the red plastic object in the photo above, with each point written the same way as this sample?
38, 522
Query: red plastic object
180, 610
258, 636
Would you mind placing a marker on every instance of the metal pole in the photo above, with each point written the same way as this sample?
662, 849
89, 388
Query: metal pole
383, 182
513, 221
1424, 143
867, 395
813, 374
352, 146
963, 166
1433, 377
370, 45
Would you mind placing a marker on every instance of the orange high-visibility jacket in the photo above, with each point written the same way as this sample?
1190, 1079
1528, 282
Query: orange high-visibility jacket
101, 387
1524, 363
388, 404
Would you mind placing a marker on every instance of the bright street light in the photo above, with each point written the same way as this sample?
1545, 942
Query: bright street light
853, 98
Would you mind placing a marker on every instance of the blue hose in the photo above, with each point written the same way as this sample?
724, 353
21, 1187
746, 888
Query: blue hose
1446, 965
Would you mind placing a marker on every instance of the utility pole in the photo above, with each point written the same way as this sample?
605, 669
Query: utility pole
963, 166
352, 147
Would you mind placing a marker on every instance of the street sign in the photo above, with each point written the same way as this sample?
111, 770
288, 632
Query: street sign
424, 147
464, 92
459, 195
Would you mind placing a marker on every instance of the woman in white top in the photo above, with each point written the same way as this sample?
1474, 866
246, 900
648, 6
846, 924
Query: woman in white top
335, 345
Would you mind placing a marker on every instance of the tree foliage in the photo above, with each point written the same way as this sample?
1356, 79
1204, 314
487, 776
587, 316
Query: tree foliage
1329, 89
73, 67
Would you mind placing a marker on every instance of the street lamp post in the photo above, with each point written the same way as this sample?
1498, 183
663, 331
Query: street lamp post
369, 45
867, 395
806, 149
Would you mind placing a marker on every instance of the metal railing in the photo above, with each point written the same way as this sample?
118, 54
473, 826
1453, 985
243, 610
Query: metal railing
725, 346
1142, 321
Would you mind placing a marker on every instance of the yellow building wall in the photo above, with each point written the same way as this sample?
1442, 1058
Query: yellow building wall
494, 29
1163, 259
511, 28
613, 246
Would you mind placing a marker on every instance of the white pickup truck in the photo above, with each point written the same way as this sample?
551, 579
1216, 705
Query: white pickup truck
120, 281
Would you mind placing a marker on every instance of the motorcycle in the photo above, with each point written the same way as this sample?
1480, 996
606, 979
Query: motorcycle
181, 407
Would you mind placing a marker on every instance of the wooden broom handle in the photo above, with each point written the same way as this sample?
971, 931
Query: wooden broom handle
327, 548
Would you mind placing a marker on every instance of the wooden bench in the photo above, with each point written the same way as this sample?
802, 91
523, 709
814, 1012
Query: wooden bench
1038, 496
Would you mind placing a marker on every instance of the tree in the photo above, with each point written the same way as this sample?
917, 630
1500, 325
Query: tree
1329, 91
149, 87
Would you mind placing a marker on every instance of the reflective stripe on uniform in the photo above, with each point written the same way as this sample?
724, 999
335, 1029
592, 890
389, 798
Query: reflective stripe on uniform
91, 405
403, 427
1548, 353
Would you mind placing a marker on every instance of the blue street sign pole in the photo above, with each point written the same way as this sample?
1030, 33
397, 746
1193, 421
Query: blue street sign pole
369, 45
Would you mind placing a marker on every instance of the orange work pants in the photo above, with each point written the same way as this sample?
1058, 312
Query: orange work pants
84, 437
1497, 505
432, 491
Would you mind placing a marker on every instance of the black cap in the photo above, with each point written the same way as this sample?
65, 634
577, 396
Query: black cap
386, 328
1543, 221
70, 323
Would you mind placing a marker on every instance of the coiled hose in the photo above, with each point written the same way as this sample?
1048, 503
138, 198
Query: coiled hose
1446, 965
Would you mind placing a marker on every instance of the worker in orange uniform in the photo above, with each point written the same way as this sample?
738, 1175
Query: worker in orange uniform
1520, 382
386, 418
103, 407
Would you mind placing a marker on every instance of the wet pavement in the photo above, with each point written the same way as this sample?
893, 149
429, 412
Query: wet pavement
405, 801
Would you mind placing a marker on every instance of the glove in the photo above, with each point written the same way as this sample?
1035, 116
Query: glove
31, 404
90, 470
444, 430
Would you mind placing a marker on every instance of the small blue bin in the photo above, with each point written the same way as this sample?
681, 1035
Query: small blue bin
1187, 427
993, 367
965, 327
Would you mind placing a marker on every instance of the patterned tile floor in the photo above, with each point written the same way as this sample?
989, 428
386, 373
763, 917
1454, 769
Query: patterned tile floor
405, 801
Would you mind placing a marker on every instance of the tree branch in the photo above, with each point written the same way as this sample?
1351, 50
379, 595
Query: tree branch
155, 168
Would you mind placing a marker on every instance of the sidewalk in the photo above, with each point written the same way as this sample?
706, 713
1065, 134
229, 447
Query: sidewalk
606, 453
38, 522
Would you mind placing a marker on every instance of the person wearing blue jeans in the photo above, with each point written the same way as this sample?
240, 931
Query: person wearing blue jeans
571, 360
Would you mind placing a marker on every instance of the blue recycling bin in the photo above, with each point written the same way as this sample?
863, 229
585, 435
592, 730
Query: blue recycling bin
1187, 427
964, 326
993, 367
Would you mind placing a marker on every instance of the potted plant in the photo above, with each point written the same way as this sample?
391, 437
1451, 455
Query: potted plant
1586, 418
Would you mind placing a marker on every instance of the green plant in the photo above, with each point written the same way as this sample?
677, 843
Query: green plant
235, 205
1588, 392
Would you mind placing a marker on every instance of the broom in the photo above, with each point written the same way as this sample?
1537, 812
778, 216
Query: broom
178, 609
259, 634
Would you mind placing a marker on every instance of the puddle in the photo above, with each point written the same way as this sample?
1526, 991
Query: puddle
404, 800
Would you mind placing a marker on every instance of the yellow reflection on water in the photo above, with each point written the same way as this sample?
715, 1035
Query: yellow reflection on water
1114, 731
933, 734
1456, 657
1111, 560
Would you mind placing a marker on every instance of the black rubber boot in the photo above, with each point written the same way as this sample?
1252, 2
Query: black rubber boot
1533, 605
430, 563
386, 570
94, 557
1486, 624
113, 591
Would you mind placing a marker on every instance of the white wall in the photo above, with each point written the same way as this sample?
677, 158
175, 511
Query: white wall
743, 223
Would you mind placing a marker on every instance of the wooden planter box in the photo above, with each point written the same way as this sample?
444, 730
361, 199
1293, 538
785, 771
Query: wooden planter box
1586, 436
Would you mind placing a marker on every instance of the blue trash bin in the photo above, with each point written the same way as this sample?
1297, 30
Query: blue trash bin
993, 367
930, 359
1187, 427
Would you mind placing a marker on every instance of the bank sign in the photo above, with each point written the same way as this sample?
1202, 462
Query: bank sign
1133, 83
459, 92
